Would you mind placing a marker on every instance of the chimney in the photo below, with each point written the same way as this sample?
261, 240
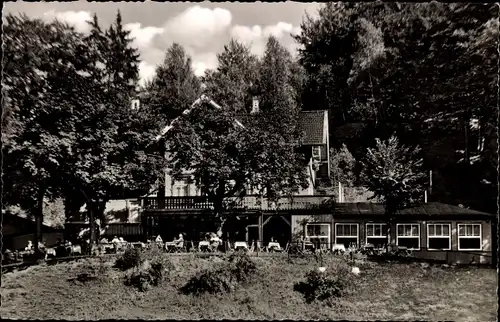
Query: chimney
255, 105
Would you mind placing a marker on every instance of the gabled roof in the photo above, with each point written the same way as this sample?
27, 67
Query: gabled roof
425, 209
313, 125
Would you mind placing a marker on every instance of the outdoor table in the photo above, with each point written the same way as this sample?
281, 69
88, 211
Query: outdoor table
339, 247
273, 246
138, 244
204, 244
240, 245
170, 247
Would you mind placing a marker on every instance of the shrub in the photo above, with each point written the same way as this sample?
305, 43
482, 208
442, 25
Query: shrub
325, 286
223, 279
242, 266
130, 258
147, 274
213, 281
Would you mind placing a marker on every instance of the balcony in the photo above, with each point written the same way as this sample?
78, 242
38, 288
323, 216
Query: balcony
247, 203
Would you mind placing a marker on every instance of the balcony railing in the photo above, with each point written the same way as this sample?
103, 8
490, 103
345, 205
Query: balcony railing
245, 203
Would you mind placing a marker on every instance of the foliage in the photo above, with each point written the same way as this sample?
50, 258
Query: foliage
325, 286
174, 87
394, 173
210, 281
342, 165
242, 266
413, 69
147, 274
223, 159
54, 214
222, 279
130, 258
230, 84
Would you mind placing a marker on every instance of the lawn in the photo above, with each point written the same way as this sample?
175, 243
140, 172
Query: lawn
383, 292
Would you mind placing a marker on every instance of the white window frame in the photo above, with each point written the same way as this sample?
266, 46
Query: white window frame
316, 150
328, 235
182, 186
382, 230
351, 236
439, 236
470, 237
407, 224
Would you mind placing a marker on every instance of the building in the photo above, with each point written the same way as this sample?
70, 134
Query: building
17, 231
431, 230
181, 208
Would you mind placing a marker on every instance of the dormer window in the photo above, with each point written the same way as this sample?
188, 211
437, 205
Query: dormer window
255, 104
135, 104
316, 153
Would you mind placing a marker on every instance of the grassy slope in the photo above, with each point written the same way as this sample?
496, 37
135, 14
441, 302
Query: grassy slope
384, 292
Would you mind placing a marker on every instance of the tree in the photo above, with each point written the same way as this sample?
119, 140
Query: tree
342, 166
175, 86
41, 109
231, 82
423, 71
394, 173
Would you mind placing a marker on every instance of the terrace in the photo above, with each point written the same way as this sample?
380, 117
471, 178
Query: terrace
247, 203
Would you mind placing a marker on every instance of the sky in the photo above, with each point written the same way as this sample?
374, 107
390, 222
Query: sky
202, 28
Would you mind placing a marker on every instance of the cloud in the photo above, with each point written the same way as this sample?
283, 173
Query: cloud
257, 36
203, 61
143, 36
78, 19
146, 71
197, 26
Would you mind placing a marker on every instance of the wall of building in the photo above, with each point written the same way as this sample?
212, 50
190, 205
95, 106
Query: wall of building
484, 256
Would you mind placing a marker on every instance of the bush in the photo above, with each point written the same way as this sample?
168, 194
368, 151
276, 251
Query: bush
213, 281
224, 279
325, 286
147, 274
130, 258
242, 266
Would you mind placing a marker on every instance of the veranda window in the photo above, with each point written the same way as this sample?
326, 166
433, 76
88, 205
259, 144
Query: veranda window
376, 234
347, 234
439, 236
469, 237
408, 235
318, 234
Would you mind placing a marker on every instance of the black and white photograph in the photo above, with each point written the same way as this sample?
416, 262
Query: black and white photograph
250, 160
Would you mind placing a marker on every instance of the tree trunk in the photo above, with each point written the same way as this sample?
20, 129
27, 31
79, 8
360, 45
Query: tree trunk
39, 220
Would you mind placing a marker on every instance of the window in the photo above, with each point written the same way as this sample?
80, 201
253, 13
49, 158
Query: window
469, 237
346, 234
319, 234
408, 235
180, 188
135, 104
316, 153
439, 236
376, 235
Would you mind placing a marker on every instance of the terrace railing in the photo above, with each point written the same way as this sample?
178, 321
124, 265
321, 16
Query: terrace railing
245, 203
